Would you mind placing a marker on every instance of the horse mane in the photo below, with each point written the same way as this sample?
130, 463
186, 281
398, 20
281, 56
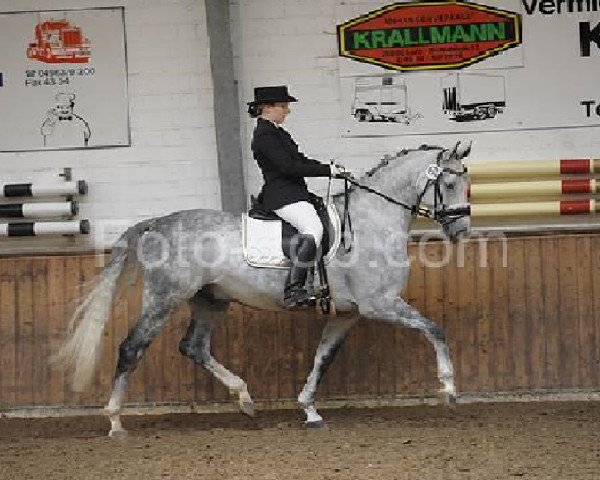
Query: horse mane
384, 162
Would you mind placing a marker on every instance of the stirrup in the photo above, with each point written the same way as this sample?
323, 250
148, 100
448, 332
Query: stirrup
298, 297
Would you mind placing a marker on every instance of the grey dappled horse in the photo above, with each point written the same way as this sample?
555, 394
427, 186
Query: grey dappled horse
196, 256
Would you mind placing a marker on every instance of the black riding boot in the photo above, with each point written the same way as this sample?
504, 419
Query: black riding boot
303, 257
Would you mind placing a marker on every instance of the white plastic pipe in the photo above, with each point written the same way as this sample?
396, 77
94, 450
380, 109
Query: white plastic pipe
32, 210
78, 187
32, 229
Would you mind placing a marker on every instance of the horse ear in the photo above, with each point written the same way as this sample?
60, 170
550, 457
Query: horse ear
461, 150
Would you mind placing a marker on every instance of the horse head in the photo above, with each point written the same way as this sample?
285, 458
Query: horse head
443, 188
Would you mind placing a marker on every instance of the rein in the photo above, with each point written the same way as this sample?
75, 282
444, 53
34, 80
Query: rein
413, 209
441, 215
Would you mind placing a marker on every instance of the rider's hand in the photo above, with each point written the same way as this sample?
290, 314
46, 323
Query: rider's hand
338, 171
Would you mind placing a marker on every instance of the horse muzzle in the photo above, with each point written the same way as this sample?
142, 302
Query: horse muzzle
455, 221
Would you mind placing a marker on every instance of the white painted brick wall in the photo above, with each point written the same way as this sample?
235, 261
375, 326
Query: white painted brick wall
294, 43
172, 163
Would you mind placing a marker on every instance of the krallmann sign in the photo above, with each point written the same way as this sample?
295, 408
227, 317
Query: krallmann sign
429, 35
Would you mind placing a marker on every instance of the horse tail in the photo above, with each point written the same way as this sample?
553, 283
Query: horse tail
80, 352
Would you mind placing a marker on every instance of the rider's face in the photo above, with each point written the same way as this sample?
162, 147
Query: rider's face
276, 112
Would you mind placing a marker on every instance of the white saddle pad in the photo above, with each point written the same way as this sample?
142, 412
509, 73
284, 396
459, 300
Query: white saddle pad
261, 241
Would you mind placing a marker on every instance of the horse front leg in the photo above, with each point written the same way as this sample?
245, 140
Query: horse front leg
398, 312
332, 339
207, 314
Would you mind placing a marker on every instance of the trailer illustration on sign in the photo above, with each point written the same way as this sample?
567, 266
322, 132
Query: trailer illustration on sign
57, 41
382, 99
473, 96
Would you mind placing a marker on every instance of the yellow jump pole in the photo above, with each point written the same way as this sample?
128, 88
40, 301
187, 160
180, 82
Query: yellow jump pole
558, 208
544, 188
533, 168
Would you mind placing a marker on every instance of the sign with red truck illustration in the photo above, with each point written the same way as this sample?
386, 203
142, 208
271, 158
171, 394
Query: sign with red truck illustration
63, 79
58, 41
429, 35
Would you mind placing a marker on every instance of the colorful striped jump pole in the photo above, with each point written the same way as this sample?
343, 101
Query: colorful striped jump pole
543, 188
533, 168
557, 208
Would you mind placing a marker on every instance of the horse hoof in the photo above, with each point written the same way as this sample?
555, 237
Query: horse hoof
247, 408
117, 433
318, 425
449, 399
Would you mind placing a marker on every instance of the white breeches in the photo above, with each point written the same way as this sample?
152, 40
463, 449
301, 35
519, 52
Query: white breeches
303, 216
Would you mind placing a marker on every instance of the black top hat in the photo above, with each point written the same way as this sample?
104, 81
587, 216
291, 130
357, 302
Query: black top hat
271, 95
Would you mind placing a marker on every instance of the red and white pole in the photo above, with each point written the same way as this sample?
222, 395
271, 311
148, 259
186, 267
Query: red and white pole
533, 168
543, 188
557, 208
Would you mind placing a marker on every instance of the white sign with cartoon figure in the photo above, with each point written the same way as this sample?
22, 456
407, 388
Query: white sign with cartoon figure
63, 79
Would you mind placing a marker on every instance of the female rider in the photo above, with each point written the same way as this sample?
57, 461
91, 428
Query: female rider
284, 191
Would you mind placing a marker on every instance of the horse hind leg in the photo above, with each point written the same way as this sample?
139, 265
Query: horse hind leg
153, 318
332, 339
207, 314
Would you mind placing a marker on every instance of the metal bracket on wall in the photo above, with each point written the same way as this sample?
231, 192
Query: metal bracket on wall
67, 174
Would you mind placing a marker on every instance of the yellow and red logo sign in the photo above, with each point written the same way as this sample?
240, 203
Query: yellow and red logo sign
429, 35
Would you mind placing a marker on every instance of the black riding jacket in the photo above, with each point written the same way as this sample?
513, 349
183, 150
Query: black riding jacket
283, 166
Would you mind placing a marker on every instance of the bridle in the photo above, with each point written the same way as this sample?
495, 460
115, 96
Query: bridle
441, 212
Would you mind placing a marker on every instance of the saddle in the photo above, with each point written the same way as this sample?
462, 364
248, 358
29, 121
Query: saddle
267, 242
267, 238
